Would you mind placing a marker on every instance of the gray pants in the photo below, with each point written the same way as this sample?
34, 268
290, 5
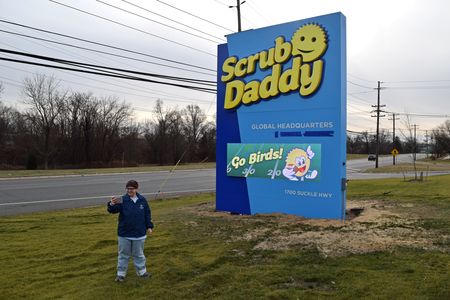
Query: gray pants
130, 248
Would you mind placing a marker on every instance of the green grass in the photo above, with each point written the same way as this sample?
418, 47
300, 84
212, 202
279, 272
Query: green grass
72, 254
32, 173
434, 191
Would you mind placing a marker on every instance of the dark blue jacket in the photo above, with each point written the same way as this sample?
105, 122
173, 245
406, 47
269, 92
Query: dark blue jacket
134, 218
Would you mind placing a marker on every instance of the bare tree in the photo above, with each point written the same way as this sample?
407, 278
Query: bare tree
6, 124
112, 116
79, 129
165, 118
88, 120
410, 142
207, 142
441, 138
194, 120
177, 140
46, 102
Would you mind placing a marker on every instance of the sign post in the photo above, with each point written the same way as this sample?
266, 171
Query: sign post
394, 153
281, 119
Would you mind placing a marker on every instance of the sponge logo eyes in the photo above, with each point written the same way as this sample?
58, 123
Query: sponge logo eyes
309, 41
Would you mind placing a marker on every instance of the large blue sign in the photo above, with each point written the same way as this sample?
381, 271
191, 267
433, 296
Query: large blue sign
281, 119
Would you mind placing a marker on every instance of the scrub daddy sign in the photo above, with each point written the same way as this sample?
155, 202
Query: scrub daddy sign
292, 73
306, 47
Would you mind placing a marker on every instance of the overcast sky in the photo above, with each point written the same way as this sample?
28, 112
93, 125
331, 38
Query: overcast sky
403, 43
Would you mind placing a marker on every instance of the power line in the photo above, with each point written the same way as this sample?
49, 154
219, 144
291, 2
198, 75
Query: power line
133, 28
365, 92
154, 95
8, 79
256, 10
357, 77
220, 2
358, 109
360, 132
116, 91
365, 101
80, 64
99, 51
157, 22
191, 14
77, 75
418, 81
137, 108
63, 62
423, 130
110, 75
423, 115
175, 21
429, 87
364, 86
106, 45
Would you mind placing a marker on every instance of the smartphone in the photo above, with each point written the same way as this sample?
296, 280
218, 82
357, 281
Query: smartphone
119, 199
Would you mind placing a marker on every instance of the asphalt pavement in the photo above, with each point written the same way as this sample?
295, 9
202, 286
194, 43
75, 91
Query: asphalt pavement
27, 195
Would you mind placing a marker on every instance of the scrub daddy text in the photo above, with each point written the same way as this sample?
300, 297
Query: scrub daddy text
307, 46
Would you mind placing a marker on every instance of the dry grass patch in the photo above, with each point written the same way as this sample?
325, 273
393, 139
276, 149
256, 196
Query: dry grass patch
380, 227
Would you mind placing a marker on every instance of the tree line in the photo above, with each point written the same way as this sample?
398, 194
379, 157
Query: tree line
438, 144
77, 129
61, 129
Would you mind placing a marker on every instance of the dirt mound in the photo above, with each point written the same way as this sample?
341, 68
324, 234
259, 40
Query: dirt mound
374, 227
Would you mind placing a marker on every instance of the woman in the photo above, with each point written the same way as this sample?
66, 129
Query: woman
134, 226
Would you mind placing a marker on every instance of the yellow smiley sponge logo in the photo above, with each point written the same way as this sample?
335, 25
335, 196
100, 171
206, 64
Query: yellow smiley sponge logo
309, 41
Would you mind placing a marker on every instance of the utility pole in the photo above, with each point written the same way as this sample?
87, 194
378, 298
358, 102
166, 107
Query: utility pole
378, 122
393, 135
238, 8
426, 140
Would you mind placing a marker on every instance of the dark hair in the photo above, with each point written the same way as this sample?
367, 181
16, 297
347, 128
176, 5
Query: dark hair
132, 183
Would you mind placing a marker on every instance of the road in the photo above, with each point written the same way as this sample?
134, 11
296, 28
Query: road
26, 195
355, 167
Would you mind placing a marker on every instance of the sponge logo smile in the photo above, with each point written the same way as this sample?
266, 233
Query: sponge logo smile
310, 41
308, 44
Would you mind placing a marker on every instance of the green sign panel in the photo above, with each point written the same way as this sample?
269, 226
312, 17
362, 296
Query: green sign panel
295, 162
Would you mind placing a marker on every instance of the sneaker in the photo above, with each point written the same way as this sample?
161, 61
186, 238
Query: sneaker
120, 279
145, 275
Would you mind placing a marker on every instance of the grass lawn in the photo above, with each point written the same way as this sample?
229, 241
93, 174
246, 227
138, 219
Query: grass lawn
30, 173
196, 253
